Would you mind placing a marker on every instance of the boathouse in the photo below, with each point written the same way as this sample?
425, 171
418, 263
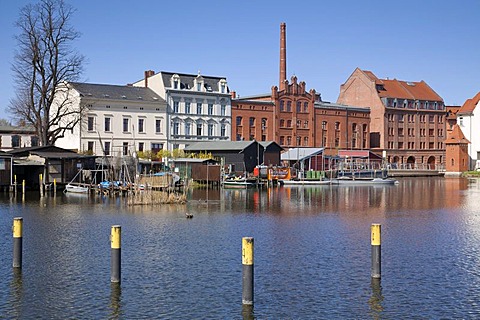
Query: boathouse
50, 161
240, 156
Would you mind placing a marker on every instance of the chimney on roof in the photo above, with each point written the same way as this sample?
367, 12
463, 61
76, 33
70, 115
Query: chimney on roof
233, 94
283, 55
148, 74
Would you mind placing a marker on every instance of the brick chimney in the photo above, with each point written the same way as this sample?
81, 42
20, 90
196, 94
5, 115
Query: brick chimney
283, 55
148, 74
233, 94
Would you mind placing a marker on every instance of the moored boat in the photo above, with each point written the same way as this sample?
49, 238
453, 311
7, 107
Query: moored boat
72, 188
301, 182
365, 181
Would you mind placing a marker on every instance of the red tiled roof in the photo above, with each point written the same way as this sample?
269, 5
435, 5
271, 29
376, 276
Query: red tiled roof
470, 104
456, 136
404, 89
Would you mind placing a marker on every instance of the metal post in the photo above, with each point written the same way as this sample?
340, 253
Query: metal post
247, 270
17, 242
376, 251
115, 259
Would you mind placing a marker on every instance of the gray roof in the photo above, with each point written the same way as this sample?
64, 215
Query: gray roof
299, 154
17, 129
330, 105
116, 92
187, 81
219, 146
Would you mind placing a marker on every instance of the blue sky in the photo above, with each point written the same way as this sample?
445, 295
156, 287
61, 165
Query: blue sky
434, 41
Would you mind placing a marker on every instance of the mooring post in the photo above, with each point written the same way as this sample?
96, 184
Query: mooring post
247, 270
23, 186
54, 186
376, 251
15, 185
40, 182
115, 259
17, 242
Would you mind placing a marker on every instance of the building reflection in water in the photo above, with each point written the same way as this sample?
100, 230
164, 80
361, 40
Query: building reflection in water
16, 296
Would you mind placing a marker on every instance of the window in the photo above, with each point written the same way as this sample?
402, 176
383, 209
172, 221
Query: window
90, 145
199, 86
222, 130
107, 148
155, 147
460, 121
324, 125
305, 141
299, 123
400, 145
175, 84
282, 140
199, 108
188, 127
158, 126
299, 106
400, 118
34, 141
187, 107
141, 146
431, 118
252, 122
223, 110
289, 140
199, 129
289, 106
175, 106
108, 124
222, 87
210, 129
264, 124
90, 123
141, 123
337, 126
126, 124
210, 109
239, 121
125, 148
289, 123
16, 141
305, 107
176, 128
282, 105
305, 124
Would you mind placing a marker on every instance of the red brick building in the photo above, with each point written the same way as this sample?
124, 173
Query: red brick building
292, 116
408, 118
456, 151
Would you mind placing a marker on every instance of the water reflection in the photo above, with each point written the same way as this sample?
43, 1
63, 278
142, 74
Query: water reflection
247, 312
115, 301
16, 295
376, 299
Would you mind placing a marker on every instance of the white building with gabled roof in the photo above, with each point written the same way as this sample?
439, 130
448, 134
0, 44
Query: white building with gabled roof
198, 106
118, 120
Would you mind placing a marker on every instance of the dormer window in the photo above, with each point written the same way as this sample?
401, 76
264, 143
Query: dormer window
175, 82
222, 86
199, 82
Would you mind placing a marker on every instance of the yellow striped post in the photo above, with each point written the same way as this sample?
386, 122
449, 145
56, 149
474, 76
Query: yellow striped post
247, 270
115, 259
40, 183
54, 186
376, 251
23, 186
17, 242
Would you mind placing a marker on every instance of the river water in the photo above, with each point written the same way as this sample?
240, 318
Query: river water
312, 254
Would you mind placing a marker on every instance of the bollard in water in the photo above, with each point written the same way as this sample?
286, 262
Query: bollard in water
115, 259
17, 242
23, 186
376, 251
54, 186
40, 183
247, 270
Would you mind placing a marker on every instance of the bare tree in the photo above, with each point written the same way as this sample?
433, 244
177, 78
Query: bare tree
44, 61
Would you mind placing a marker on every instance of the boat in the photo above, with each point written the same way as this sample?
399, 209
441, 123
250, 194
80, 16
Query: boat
364, 181
72, 188
237, 183
306, 182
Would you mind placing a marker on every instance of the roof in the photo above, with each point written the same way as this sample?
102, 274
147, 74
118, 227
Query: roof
219, 146
18, 129
193, 160
456, 136
358, 154
469, 105
187, 81
413, 90
330, 105
116, 92
299, 154
266, 144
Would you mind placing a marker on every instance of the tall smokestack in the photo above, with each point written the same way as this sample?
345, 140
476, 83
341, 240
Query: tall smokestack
283, 56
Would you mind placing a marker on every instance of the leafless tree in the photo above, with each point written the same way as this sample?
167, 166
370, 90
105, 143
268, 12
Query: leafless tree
44, 61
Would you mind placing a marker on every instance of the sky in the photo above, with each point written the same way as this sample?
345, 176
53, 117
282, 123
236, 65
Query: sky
411, 40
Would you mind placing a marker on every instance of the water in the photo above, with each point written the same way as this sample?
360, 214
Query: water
312, 254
